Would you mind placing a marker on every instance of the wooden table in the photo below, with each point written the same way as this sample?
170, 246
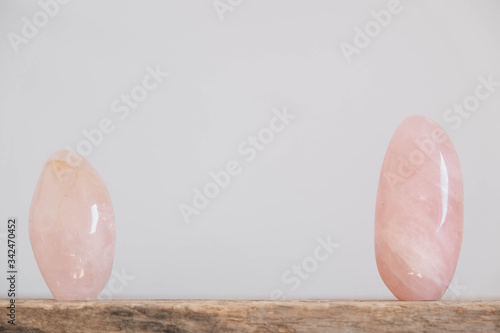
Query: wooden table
200, 316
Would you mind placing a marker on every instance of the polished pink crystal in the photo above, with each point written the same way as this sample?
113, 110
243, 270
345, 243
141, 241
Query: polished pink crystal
72, 228
419, 211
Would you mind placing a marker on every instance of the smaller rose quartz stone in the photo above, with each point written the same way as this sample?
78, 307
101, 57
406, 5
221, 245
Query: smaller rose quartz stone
419, 211
72, 228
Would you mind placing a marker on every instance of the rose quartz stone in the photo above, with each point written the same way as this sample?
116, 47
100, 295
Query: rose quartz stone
72, 228
419, 211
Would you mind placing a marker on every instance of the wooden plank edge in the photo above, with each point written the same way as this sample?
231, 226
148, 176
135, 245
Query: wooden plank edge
180, 316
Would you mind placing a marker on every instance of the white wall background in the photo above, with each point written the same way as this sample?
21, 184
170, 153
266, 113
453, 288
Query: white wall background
317, 178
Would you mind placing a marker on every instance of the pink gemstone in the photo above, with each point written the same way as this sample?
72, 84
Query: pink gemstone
419, 213
72, 228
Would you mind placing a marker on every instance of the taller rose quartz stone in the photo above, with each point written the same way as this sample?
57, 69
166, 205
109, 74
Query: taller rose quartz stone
419, 212
72, 228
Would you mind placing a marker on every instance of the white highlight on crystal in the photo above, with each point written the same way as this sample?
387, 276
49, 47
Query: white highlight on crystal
444, 190
416, 274
95, 218
82, 273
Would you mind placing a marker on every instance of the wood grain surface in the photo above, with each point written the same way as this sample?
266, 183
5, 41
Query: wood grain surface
179, 316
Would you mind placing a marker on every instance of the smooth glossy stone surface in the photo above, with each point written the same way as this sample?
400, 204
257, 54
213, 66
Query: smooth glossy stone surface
419, 212
72, 228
